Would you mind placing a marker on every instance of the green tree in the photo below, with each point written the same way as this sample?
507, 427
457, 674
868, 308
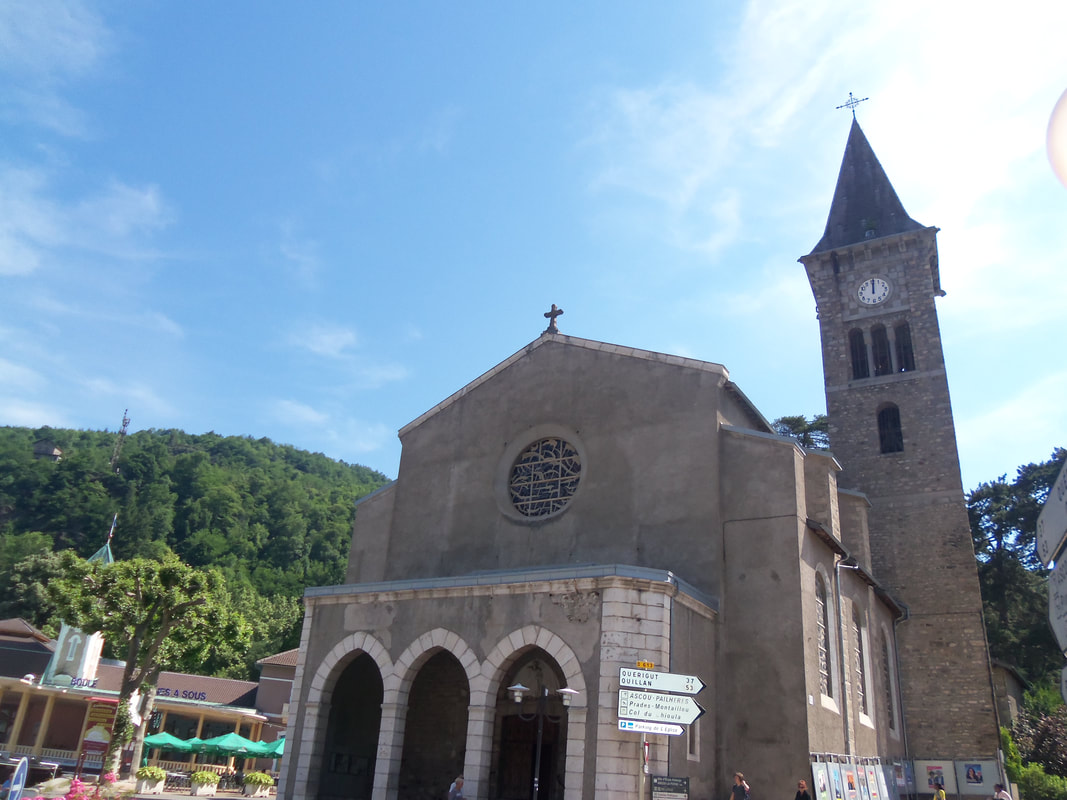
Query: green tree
813, 433
159, 614
1003, 517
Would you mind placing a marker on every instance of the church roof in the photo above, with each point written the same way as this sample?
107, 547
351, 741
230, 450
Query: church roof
865, 205
547, 338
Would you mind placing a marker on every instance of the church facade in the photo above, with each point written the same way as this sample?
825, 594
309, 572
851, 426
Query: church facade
585, 508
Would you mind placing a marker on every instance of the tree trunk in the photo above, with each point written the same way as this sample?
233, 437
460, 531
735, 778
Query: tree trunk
148, 704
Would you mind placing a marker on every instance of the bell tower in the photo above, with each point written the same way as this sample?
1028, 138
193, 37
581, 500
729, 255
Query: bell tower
875, 278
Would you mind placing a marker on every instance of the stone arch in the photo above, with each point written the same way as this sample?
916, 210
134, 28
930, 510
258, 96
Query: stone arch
416, 763
320, 690
331, 666
416, 654
495, 665
484, 692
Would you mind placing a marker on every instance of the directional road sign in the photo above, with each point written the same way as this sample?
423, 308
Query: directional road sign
650, 727
1052, 522
658, 707
1057, 602
18, 780
660, 681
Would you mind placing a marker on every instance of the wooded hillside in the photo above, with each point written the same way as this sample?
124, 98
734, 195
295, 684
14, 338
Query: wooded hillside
272, 518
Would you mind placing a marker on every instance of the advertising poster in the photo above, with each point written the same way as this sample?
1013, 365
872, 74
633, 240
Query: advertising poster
861, 782
98, 724
835, 781
929, 773
872, 782
977, 777
848, 770
820, 781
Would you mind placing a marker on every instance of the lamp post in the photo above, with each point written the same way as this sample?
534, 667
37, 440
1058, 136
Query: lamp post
518, 694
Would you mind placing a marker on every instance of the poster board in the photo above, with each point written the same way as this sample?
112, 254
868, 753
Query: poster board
927, 772
820, 781
977, 777
861, 782
851, 781
836, 787
887, 780
873, 786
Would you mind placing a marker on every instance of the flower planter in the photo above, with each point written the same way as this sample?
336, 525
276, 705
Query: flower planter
256, 790
149, 786
204, 789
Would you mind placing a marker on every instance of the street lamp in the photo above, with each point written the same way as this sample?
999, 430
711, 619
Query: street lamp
518, 694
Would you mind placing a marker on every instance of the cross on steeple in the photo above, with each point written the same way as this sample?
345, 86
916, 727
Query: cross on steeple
551, 317
852, 102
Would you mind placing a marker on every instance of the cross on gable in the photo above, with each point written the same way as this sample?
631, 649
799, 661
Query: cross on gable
551, 317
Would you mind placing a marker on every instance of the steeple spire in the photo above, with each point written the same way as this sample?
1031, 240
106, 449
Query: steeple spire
865, 206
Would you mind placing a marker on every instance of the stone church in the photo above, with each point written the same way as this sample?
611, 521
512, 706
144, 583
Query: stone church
584, 508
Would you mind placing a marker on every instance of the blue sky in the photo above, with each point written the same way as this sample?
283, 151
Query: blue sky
313, 222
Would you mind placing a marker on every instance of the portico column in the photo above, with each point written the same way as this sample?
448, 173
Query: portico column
480, 721
574, 771
305, 780
20, 717
390, 751
85, 725
199, 730
46, 718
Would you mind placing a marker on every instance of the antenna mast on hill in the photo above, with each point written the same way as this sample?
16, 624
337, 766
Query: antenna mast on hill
122, 437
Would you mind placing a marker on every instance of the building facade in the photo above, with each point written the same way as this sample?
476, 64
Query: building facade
584, 508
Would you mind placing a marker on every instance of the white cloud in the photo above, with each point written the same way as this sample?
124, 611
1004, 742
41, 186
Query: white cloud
133, 394
44, 45
1024, 426
330, 341
20, 379
36, 229
27, 414
298, 413
440, 130
301, 254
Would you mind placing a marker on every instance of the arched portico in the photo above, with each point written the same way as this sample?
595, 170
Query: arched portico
507, 735
358, 657
428, 702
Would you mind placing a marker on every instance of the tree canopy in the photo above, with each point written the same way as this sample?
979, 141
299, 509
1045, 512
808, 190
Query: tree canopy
1003, 516
813, 433
157, 614
270, 518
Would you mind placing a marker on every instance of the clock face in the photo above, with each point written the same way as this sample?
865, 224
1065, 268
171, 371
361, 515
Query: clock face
873, 291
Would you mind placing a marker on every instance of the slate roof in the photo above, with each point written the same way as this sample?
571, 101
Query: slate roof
285, 659
865, 205
23, 649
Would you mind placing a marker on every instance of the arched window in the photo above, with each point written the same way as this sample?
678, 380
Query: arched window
860, 653
822, 614
905, 354
887, 686
883, 363
858, 348
890, 436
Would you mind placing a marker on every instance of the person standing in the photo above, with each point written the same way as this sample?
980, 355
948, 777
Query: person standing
455, 791
1001, 793
939, 790
739, 791
802, 791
